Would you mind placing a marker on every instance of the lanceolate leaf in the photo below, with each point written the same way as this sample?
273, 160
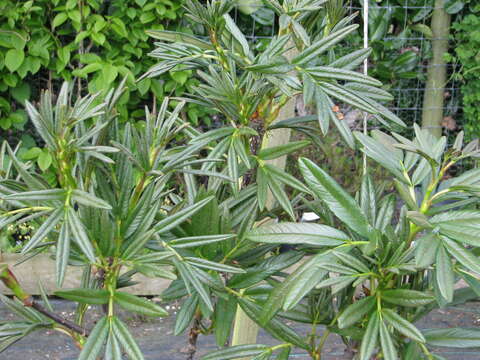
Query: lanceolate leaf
62, 254
44, 230
298, 233
85, 296
38, 195
275, 327
388, 348
444, 274
195, 241
236, 352
337, 199
405, 297
355, 312
464, 256
137, 304
403, 326
88, 199
80, 235
186, 313
369, 341
453, 337
280, 150
95, 340
175, 219
126, 339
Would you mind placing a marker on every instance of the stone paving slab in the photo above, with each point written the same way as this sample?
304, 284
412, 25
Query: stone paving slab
156, 339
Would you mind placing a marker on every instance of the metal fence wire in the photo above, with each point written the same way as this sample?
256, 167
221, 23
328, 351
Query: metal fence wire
398, 35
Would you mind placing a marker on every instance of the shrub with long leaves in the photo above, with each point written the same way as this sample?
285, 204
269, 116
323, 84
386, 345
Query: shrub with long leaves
385, 260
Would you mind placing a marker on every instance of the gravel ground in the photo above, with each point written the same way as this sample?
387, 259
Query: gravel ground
156, 339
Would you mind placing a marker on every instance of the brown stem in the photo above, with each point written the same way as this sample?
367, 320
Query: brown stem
193, 336
61, 320
10, 281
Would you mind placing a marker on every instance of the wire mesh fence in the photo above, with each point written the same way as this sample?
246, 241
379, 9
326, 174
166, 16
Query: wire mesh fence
401, 43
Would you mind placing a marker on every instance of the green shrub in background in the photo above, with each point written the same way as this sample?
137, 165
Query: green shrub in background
94, 42
467, 54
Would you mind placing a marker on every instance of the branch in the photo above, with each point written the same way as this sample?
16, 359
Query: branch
11, 282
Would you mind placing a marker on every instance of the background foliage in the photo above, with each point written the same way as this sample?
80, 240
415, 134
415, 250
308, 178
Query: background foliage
93, 42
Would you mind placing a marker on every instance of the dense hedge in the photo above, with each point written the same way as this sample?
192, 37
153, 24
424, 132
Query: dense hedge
44, 42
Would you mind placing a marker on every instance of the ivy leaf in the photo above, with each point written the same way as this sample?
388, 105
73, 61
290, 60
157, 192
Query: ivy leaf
14, 59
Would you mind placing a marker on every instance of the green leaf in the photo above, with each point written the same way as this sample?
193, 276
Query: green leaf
464, 256
225, 311
38, 195
403, 326
444, 274
85, 296
453, 337
137, 304
388, 348
355, 312
426, 249
404, 297
62, 254
280, 150
88, 199
173, 220
423, 29
211, 265
44, 230
196, 241
370, 338
454, 6
59, 19
95, 340
275, 327
280, 195
298, 233
44, 160
14, 59
190, 278
126, 339
80, 236
186, 313
337, 199
112, 348
235, 352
